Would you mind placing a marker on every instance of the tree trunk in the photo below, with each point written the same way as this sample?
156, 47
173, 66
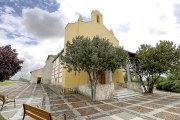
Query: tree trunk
151, 87
93, 91
144, 87
93, 81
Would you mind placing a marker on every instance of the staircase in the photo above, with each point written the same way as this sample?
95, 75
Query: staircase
125, 93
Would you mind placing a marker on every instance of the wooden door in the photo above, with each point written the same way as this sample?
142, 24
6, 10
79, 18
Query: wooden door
102, 77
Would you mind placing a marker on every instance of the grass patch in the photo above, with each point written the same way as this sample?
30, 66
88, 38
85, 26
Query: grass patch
1, 118
6, 83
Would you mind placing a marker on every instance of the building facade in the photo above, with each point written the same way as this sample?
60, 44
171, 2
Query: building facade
44, 74
65, 79
36, 76
47, 71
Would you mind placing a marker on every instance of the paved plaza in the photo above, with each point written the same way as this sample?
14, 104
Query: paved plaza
159, 106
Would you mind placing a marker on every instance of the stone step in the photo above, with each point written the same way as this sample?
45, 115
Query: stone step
125, 93
127, 96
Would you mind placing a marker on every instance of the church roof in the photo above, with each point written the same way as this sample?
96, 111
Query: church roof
36, 69
96, 12
51, 56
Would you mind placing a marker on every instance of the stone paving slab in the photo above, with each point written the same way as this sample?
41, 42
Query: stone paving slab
167, 116
10, 112
140, 109
151, 105
122, 104
87, 111
158, 106
175, 110
121, 116
106, 107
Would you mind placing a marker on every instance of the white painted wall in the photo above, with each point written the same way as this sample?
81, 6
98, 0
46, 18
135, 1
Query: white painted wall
35, 74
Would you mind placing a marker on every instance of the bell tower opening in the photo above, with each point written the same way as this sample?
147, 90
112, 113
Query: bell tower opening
97, 19
97, 16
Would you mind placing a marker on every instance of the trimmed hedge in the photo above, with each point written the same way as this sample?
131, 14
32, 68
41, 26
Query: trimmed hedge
169, 85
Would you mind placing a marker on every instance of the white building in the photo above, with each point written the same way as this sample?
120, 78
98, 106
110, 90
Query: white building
43, 75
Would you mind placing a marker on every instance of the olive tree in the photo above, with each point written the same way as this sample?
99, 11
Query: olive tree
92, 55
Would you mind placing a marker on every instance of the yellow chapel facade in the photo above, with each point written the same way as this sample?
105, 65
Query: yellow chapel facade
94, 27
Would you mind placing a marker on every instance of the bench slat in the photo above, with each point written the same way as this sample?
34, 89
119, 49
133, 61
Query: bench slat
37, 111
33, 116
2, 98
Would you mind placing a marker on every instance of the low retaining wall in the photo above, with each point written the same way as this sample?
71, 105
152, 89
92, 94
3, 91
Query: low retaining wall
136, 86
57, 89
102, 91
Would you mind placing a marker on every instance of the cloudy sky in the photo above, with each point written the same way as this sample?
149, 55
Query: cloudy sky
36, 27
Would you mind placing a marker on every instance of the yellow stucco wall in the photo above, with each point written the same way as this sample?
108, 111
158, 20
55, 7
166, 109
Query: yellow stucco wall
72, 79
117, 76
88, 29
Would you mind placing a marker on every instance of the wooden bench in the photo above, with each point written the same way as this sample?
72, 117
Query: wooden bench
37, 113
5, 99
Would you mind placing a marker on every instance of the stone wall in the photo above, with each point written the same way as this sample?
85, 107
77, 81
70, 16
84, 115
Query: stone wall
136, 86
47, 72
57, 89
102, 91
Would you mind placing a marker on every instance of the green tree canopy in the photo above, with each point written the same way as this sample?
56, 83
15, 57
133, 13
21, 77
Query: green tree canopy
155, 61
92, 55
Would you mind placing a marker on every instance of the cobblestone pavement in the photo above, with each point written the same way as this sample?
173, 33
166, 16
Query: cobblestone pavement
24, 93
159, 106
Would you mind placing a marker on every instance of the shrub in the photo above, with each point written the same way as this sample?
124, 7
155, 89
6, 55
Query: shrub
160, 80
169, 85
174, 76
159, 85
176, 87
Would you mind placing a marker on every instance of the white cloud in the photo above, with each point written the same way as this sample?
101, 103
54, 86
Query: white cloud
134, 22
10, 22
43, 24
35, 54
6, 10
177, 12
148, 20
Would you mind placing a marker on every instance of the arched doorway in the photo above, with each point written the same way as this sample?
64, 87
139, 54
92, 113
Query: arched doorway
38, 80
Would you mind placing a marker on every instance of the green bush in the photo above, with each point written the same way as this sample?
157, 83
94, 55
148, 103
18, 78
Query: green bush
176, 87
159, 85
160, 80
169, 85
174, 76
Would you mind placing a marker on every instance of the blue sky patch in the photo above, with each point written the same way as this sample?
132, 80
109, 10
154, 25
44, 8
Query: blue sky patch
19, 5
30, 43
124, 28
15, 8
